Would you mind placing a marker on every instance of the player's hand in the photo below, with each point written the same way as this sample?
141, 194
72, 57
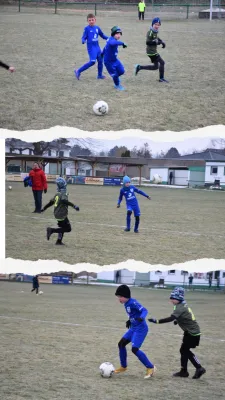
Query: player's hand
11, 69
118, 206
128, 324
149, 198
139, 319
42, 210
175, 322
45, 190
124, 46
153, 320
76, 208
163, 45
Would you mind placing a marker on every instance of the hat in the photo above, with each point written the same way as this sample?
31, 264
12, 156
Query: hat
115, 30
126, 179
61, 183
156, 20
177, 294
123, 291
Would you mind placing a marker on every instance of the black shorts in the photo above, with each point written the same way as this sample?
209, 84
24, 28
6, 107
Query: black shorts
191, 341
154, 58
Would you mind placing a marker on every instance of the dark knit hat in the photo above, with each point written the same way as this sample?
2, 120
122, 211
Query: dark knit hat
115, 29
123, 291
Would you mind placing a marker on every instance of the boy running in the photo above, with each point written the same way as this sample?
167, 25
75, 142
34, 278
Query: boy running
61, 203
152, 40
114, 66
128, 191
184, 317
90, 36
137, 331
35, 284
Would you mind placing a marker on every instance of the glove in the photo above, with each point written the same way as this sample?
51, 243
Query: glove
77, 208
128, 324
45, 190
124, 46
175, 322
163, 45
149, 198
139, 319
153, 320
118, 206
83, 41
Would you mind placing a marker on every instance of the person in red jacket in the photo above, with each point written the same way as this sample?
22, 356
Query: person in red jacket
39, 184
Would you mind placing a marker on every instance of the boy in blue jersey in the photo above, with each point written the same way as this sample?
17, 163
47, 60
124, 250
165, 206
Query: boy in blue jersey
128, 191
90, 36
137, 331
183, 316
152, 40
114, 66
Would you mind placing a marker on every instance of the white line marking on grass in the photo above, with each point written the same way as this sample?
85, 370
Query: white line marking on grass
119, 226
96, 326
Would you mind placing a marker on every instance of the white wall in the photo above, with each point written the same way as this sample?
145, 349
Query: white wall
163, 172
106, 275
181, 177
210, 178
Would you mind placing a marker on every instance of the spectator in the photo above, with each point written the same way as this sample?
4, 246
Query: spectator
210, 281
190, 280
171, 177
117, 276
35, 284
39, 184
141, 10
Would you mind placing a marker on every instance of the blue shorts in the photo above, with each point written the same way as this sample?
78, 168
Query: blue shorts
136, 337
115, 69
135, 209
94, 53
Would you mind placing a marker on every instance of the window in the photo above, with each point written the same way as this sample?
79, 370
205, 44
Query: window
184, 272
49, 153
214, 170
61, 153
158, 272
30, 152
172, 271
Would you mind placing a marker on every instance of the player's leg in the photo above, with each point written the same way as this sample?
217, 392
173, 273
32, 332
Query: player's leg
100, 65
150, 67
66, 227
137, 214
161, 63
92, 60
143, 16
139, 15
37, 289
128, 219
120, 70
184, 351
194, 342
126, 339
137, 341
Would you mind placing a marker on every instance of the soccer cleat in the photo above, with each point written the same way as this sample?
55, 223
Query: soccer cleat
199, 372
34, 212
136, 69
163, 80
126, 230
150, 372
136, 231
49, 232
101, 77
119, 87
77, 74
181, 374
120, 369
59, 243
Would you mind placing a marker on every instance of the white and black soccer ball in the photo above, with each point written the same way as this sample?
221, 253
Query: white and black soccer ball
101, 108
41, 292
10, 187
106, 370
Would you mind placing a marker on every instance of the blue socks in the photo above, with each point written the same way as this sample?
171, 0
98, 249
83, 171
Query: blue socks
86, 66
144, 359
123, 357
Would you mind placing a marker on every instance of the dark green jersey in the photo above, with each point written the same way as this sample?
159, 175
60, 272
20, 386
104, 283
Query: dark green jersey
186, 319
60, 203
151, 48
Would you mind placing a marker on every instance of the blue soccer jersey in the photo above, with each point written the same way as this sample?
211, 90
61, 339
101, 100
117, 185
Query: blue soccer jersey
135, 310
129, 194
110, 51
90, 36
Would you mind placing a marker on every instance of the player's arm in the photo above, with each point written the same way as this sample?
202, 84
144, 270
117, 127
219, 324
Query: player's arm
68, 203
49, 204
84, 36
162, 320
142, 193
102, 35
120, 198
6, 66
115, 42
149, 39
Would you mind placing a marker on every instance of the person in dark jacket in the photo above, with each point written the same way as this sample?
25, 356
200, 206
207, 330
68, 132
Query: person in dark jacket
35, 284
39, 184
61, 203
6, 66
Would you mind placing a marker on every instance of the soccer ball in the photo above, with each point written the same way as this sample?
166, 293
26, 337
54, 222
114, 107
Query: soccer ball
10, 187
106, 369
41, 292
101, 108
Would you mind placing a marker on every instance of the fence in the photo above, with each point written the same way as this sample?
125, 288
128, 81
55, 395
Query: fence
170, 11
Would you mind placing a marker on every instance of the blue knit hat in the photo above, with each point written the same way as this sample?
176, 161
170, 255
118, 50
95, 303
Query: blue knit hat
177, 294
156, 20
61, 184
115, 29
126, 179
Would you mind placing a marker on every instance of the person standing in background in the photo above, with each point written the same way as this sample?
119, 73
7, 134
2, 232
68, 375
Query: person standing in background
39, 184
141, 10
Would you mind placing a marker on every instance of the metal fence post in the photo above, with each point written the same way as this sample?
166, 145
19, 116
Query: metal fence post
95, 9
19, 5
188, 10
56, 2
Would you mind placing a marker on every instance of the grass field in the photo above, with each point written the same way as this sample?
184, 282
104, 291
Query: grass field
45, 48
177, 225
52, 345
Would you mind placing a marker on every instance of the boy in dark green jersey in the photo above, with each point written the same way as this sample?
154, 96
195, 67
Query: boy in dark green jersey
183, 316
152, 40
61, 203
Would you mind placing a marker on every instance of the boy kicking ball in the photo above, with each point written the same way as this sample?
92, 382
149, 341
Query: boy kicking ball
183, 316
152, 41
